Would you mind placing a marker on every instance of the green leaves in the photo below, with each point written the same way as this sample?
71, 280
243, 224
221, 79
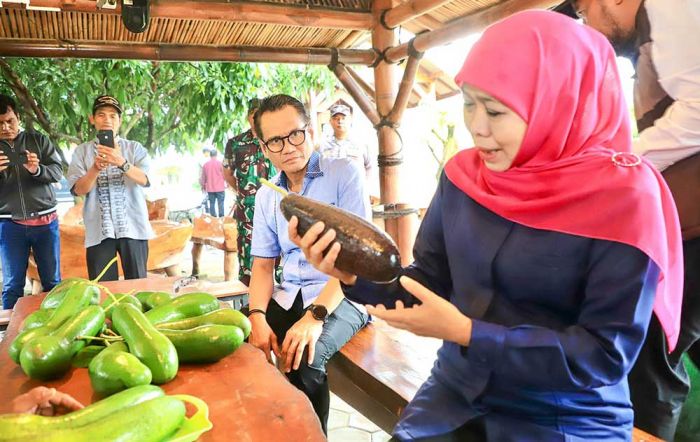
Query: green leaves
178, 104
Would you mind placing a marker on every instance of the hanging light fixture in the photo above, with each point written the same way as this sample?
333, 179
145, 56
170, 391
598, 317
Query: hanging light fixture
135, 15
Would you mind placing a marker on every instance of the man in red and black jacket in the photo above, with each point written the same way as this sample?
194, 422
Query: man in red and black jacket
29, 165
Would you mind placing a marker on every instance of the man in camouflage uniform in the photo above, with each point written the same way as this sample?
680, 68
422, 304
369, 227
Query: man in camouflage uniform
243, 166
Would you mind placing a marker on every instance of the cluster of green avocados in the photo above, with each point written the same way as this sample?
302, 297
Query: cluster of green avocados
142, 340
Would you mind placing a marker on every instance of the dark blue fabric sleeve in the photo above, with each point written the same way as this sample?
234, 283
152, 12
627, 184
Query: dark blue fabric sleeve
599, 349
430, 266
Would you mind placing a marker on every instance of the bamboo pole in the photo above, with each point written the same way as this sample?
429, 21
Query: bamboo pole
388, 139
350, 39
427, 22
408, 11
405, 89
243, 11
156, 52
356, 92
466, 25
363, 84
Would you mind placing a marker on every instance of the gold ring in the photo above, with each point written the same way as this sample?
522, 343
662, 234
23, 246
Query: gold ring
103, 155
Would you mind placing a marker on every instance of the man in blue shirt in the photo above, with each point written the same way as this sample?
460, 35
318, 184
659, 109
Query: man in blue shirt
305, 319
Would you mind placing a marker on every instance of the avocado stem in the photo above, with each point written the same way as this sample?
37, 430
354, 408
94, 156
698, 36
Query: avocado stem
109, 264
100, 338
273, 187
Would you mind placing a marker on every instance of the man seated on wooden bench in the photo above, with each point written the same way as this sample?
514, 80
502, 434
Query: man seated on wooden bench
305, 319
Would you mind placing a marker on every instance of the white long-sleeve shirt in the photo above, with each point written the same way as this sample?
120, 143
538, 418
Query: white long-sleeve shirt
675, 54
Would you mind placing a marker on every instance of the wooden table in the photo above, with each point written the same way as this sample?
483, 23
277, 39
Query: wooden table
249, 400
381, 368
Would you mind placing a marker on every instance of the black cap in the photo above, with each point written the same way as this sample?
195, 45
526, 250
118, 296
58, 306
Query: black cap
340, 109
106, 100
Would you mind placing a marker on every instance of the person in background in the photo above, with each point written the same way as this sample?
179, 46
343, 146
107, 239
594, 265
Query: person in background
28, 219
244, 165
661, 38
542, 303
341, 144
112, 180
213, 183
200, 165
305, 319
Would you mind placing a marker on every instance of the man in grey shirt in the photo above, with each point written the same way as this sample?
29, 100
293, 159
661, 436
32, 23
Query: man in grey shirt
112, 180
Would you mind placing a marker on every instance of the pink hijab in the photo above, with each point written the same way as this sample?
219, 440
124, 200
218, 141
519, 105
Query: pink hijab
574, 172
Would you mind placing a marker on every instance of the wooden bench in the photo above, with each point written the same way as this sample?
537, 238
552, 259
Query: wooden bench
157, 209
165, 249
220, 233
380, 370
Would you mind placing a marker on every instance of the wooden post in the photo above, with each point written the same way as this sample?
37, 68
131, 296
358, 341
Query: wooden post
196, 256
389, 142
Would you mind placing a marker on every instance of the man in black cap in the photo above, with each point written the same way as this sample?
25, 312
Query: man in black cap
341, 144
112, 179
29, 164
244, 165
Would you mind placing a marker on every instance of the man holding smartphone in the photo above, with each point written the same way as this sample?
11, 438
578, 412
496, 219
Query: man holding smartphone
110, 172
29, 165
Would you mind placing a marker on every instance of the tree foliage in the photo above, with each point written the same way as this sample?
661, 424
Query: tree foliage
178, 104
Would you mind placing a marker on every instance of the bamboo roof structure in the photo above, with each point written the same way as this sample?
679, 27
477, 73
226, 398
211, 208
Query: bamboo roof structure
268, 23
183, 24
330, 32
295, 31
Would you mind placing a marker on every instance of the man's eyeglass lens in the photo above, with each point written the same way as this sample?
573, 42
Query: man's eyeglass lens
295, 139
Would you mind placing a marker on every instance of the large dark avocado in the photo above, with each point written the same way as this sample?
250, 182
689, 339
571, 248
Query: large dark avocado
365, 250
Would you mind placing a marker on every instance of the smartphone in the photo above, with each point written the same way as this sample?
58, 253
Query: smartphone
15, 157
105, 138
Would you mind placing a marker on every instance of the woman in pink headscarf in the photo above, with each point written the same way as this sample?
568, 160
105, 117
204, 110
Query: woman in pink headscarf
543, 253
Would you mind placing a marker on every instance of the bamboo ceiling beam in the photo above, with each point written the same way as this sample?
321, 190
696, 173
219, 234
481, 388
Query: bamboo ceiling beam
356, 92
427, 22
156, 52
239, 11
351, 39
465, 26
394, 17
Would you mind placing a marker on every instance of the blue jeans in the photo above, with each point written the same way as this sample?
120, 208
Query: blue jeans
216, 199
312, 379
15, 243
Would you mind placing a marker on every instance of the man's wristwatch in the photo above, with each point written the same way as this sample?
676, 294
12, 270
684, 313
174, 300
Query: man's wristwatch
125, 167
319, 312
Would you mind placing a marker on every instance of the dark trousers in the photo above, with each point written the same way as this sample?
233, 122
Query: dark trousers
343, 323
133, 254
16, 240
216, 199
658, 381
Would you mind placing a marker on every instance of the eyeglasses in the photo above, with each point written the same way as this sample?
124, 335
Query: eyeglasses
295, 138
